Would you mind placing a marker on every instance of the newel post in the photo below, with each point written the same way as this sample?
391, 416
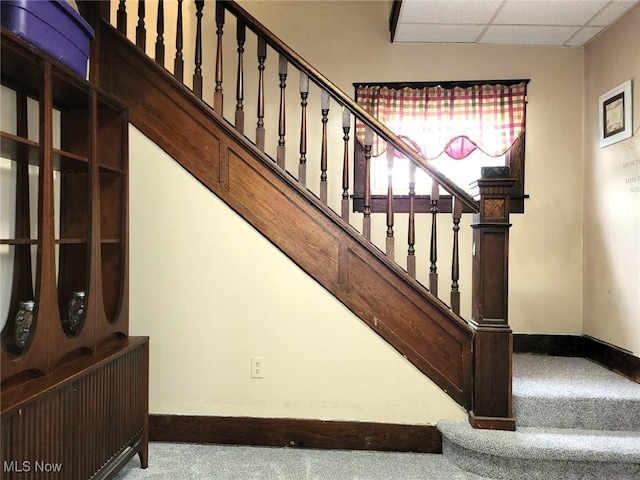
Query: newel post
493, 340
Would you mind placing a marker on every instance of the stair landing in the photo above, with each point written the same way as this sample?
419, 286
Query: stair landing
575, 420
569, 392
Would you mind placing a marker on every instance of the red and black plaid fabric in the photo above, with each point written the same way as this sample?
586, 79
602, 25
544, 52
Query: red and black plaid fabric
454, 120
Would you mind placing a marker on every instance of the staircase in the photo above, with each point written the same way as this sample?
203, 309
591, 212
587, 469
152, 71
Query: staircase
314, 225
576, 420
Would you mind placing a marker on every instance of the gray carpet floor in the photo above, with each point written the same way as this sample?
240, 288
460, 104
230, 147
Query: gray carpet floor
549, 392
216, 462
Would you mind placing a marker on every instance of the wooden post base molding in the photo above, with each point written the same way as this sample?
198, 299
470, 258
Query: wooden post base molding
492, 423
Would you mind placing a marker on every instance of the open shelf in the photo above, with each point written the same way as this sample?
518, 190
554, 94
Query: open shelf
64, 249
71, 241
21, 149
18, 241
66, 160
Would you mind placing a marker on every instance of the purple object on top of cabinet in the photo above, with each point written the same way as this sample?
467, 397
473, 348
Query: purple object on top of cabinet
54, 26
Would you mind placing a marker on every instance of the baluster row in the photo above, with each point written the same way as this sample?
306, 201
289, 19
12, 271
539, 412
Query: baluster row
325, 100
141, 32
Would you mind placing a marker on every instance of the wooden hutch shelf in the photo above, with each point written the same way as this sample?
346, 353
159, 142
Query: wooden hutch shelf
65, 238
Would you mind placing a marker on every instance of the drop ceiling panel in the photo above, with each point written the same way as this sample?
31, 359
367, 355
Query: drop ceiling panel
583, 36
419, 32
569, 23
548, 12
528, 34
443, 12
611, 13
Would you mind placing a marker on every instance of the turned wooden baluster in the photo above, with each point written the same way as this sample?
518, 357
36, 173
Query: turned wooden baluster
141, 32
411, 235
217, 94
346, 126
324, 105
178, 63
456, 211
304, 94
197, 74
262, 56
122, 17
282, 126
241, 36
160, 34
390, 238
433, 269
366, 221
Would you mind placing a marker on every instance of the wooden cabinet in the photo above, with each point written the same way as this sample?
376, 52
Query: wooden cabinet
66, 158
63, 229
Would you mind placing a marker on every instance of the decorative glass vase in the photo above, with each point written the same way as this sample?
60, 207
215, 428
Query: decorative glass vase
76, 313
24, 322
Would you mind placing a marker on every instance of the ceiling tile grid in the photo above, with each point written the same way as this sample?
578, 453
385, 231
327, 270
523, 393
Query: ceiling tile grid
570, 23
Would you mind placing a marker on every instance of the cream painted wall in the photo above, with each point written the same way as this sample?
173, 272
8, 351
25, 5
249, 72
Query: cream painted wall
612, 194
212, 293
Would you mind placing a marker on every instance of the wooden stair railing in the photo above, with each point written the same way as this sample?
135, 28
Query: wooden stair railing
489, 398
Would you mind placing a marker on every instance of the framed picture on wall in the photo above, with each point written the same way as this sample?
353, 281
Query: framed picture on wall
615, 114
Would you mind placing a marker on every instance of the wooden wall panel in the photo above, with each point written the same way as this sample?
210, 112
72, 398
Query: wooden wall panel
288, 224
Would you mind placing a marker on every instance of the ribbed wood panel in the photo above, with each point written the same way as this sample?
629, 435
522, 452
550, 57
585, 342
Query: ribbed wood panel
77, 427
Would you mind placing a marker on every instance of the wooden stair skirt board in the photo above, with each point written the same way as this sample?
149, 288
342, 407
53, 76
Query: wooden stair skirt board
287, 432
607, 355
394, 305
86, 419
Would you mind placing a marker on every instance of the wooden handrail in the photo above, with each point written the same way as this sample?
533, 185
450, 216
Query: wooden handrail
324, 83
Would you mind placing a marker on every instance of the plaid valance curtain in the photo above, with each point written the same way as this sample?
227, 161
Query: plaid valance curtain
457, 120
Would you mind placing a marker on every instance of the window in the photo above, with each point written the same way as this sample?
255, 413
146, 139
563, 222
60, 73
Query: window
458, 126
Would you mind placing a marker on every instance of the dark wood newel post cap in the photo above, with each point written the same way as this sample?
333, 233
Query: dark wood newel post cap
493, 190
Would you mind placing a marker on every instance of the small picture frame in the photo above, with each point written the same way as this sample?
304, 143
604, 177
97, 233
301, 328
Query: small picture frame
615, 109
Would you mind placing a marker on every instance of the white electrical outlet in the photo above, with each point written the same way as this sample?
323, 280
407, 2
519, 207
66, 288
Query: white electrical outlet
257, 367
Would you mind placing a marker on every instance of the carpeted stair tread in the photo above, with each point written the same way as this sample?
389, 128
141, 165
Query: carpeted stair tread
575, 420
570, 376
546, 443
566, 392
